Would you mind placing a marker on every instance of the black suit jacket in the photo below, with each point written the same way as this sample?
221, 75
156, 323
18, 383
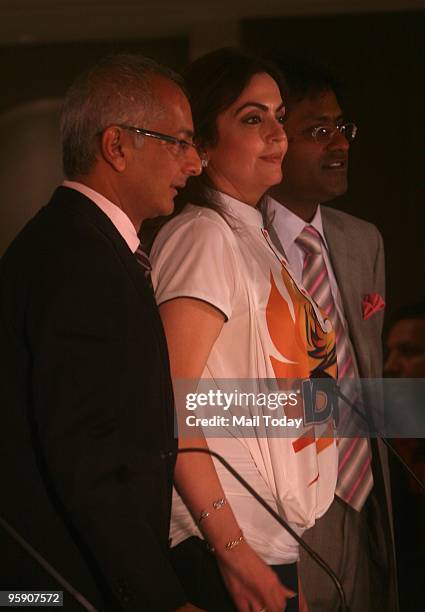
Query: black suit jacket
87, 411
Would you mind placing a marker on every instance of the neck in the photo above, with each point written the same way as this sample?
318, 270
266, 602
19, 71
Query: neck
108, 190
248, 196
304, 210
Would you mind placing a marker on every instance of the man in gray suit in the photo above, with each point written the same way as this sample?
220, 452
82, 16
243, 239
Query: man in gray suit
355, 535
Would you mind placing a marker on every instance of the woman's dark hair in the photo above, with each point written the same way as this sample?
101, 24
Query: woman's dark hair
214, 82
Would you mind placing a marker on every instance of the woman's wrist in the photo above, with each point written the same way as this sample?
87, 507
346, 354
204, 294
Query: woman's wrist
219, 527
229, 545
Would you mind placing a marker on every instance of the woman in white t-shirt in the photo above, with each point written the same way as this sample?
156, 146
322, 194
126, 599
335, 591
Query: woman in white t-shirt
231, 310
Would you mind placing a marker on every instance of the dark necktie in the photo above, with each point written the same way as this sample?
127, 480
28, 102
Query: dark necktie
143, 260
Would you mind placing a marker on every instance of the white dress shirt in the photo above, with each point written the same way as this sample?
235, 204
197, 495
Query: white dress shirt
117, 216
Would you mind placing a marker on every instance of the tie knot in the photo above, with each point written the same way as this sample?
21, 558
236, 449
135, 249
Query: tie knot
143, 259
309, 240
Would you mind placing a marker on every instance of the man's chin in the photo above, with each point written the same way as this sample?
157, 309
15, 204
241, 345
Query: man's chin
334, 189
163, 210
169, 209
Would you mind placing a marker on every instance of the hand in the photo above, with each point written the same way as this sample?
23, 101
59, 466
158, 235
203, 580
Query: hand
252, 584
189, 608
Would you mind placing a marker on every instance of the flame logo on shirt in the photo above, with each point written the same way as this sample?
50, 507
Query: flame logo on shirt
309, 351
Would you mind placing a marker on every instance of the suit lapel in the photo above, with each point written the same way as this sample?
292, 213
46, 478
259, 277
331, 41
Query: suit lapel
78, 204
71, 202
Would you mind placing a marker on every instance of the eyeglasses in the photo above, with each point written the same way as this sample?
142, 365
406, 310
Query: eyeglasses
181, 146
323, 134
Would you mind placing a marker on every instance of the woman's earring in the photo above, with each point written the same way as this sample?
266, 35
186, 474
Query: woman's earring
204, 162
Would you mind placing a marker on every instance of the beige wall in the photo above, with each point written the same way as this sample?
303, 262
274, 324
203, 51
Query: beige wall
30, 165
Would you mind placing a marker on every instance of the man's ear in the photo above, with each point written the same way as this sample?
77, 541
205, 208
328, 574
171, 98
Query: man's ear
112, 149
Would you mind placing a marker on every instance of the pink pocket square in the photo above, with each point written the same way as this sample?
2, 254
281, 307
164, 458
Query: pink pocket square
372, 303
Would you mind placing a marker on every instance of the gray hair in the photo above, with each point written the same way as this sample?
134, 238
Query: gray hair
116, 90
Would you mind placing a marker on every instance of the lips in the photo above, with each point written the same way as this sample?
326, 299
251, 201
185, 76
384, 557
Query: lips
178, 186
336, 164
273, 159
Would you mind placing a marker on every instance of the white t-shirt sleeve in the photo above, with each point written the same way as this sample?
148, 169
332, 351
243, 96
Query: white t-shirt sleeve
194, 257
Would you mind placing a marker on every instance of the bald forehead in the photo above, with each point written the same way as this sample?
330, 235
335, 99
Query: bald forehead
165, 95
165, 91
171, 113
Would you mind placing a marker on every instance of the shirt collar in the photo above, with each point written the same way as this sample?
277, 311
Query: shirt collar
289, 226
116, 215
250, 215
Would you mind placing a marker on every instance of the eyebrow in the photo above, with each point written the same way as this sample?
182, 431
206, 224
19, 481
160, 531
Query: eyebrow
327, 118
262, 107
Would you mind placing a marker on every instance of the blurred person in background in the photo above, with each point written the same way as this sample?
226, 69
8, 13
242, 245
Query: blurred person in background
406, 359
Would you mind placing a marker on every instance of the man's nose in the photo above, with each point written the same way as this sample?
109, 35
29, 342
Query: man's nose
338, 142
392, 366
192, 165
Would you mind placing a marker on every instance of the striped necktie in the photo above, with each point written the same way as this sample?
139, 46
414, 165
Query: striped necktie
355, 478
143, 260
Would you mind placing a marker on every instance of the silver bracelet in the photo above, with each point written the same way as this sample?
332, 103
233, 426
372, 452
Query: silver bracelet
229, 545
204, 514
219, 503
233, 543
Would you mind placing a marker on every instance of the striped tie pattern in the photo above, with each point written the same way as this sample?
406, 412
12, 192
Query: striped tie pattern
355, 478
143, 260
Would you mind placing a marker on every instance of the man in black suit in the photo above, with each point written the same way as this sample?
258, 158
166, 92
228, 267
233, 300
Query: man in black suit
86, 396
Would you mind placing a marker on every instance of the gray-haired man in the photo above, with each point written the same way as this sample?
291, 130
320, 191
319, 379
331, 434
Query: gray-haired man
86, 391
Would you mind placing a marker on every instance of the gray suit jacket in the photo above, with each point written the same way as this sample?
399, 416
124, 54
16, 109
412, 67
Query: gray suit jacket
357, 253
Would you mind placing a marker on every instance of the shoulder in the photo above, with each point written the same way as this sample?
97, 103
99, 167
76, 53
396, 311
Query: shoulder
199, 216
193, 256
61, 247
358, 228
195, 225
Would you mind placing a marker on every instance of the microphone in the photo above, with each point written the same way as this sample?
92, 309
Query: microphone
47, 566
317, 558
